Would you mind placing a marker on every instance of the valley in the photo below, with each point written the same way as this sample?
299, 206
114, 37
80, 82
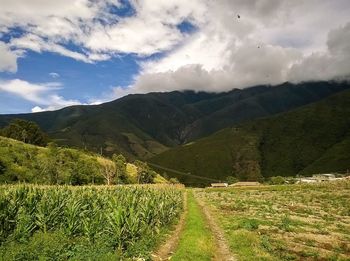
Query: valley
202, 130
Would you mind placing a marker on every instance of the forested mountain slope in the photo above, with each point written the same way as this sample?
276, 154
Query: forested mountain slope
143, 125
311, 139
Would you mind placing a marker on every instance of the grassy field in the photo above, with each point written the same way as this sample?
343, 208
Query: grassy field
84, 223
196, 241
291, 222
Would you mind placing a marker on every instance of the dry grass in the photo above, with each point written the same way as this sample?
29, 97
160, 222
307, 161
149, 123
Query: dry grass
294, 222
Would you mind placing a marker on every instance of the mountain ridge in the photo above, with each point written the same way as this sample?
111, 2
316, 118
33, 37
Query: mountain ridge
143, 125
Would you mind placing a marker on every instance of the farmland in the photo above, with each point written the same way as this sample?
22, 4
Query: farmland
84, 223
284, 222
290, 222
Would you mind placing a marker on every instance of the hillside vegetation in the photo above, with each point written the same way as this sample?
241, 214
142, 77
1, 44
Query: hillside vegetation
143, 125
21, 162
311, 139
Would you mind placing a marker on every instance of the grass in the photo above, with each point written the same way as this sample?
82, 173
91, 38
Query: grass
196, 242
290, 222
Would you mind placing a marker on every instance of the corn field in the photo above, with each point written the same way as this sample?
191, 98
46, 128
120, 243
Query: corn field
119, 216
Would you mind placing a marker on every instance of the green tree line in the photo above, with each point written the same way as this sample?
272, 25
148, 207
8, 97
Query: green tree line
20, 162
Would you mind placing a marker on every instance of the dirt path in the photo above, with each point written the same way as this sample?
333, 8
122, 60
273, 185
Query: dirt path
222, 252
167, 250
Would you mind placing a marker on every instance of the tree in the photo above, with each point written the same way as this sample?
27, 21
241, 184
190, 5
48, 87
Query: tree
108, 169
144, 173
120, 168
25, 131
174, 181
86, 172
231, 179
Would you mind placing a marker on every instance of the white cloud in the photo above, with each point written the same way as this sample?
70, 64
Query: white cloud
99, 33
8, 58
38, 44
54, 75
42, 94
51, 25
56, 102
152, 29
29, 91
273, 40
334, 63
37, 109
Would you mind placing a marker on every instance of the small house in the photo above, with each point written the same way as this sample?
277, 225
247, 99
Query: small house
306, 180
245, 184
324, 177
219, 185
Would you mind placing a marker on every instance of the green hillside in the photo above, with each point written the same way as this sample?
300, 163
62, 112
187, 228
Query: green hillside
216, 156
144, 125
336, 157
21, 162
312, 139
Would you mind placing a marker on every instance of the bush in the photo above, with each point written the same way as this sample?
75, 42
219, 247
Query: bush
231, 179
277, 180
249, 224
174, 181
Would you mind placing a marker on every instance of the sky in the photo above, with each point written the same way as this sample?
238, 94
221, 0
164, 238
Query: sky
55, 54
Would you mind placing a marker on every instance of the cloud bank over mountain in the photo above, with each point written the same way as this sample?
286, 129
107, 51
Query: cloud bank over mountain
199, 45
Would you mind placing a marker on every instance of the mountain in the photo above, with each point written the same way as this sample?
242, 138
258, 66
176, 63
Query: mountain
144, 125
311, 139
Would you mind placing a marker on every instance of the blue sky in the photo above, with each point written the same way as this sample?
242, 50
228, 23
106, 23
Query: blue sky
61, 53
81, 81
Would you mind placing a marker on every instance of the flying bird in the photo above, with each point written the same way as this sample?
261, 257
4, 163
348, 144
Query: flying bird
238, 16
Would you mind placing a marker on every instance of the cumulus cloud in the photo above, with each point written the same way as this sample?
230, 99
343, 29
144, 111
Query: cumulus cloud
29, 91
334, 63
42, 94
54, 75
37, 109
8, 58
56, 102
38, 44
152, 29
235, 44
94, 28
243, 43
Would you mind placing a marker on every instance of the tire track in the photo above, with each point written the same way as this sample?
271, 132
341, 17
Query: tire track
222, 252
167, 249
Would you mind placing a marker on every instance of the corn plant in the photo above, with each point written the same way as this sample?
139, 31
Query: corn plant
119, 216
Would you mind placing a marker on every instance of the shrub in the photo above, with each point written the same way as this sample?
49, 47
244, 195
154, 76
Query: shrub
277, 180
